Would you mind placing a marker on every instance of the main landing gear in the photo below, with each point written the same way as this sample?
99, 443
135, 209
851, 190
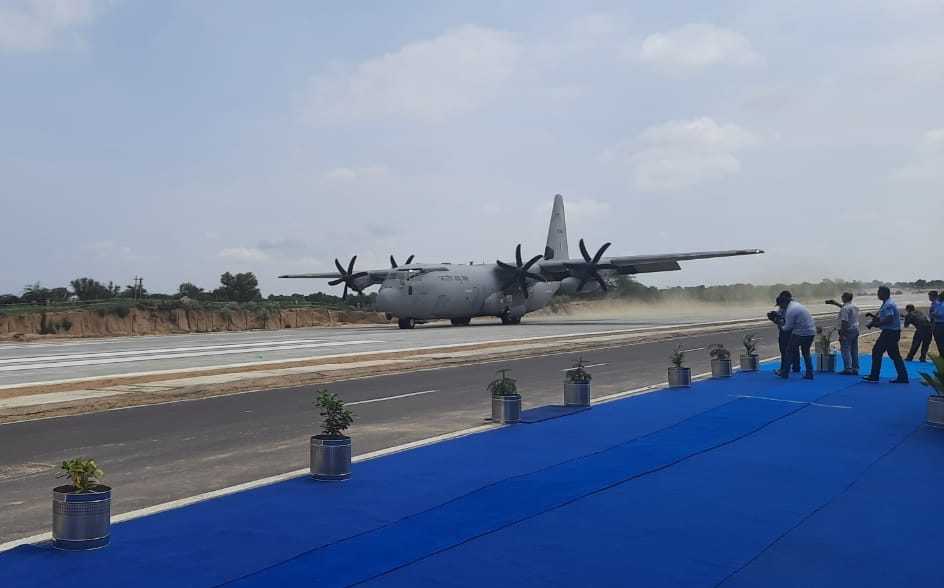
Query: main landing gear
461, 322
510, 320
406, 323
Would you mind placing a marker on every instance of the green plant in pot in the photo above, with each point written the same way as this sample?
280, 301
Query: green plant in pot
577, 385
720, 360
679, 376
506, 402
935, 381
330, 454
825, 358
81, 509
749, 360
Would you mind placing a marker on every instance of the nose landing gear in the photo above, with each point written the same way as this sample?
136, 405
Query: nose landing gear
406, 323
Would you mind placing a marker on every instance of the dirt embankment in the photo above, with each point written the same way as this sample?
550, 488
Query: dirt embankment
135, 321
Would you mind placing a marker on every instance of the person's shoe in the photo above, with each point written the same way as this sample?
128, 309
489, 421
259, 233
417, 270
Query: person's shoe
796, 370
848, 373
898, 381
872, 379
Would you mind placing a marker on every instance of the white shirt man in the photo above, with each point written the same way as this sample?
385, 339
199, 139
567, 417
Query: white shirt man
798, 320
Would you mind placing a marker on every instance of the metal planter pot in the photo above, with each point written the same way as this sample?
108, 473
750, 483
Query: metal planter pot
936, 410
81, 520
680, 377
721, 368
826, 362
506, 409
577, 394
330, 459
750, 363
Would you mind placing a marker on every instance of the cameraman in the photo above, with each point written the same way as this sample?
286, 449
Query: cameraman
936, 314
802, 328
783, 337
848, 334
889, 320
922, 336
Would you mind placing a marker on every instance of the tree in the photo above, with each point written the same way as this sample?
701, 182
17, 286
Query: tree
35, 294
238, 288
9, 299
89, 289
190, 291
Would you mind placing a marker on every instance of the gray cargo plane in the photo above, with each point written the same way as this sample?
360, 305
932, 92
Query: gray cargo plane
420, 292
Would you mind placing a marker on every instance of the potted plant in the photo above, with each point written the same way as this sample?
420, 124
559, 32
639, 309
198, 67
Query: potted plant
720, 360
506, 402
577, 385
330, 458
935, 380
825, 358
749, 360
81, 510
679, 375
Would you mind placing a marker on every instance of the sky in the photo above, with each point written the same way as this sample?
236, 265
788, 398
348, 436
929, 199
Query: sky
178, 140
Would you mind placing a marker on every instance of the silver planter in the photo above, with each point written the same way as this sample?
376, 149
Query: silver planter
81, 520
577, 394
750, 363
721, 368
680, 377
506, 409
330, 459
936, 410
826, 362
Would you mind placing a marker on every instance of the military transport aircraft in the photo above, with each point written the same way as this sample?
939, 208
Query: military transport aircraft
420, 292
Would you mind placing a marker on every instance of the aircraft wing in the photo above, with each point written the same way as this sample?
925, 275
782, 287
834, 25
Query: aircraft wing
376, 276
636, 264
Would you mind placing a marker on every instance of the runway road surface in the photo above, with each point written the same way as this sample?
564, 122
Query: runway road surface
154, 454
53, 360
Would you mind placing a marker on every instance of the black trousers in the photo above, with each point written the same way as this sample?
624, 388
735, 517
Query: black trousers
888, 343
939, 339
922, 339
786, 360
799, 344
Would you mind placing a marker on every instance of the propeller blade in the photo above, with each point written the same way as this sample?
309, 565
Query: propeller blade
523, 282
531, 262
505, 266
518, 254
335, 282
583, 282
339, 266
536, 277
596, 258
350, 266
393, 262
357, 275
583, 251
344, 295
600, 280
409, 260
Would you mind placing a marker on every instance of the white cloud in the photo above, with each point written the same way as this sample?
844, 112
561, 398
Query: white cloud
928, 162
695, 46
585, 209
352, 174
37, 25
244, 254
680, 154
429, 81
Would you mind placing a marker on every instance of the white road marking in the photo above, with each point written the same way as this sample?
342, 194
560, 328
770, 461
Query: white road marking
71, 356
110, 360
592, 365
390, 397
790, 401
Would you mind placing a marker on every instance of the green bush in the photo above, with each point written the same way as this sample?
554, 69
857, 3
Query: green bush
82, 472
336, 418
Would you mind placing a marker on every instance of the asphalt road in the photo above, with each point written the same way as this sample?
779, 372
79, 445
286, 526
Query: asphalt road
154, 454
54, 360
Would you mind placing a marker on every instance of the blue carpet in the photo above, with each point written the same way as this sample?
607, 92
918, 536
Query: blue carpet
551, 411
746, 481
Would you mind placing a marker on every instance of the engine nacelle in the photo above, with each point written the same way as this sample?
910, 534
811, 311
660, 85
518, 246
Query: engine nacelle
569, 286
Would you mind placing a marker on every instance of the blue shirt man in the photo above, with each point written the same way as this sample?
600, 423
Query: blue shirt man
889, 320
936, 314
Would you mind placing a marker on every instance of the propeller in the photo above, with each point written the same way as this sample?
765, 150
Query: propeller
347, 276
591, 272
520, 274
393, 262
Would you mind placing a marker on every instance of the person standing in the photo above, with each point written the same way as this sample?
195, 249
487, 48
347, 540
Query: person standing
783, 338
889, 320
848, 334
936, 314
922, 336
799, 322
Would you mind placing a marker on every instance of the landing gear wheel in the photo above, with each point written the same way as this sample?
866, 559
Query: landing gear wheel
406, 323
509, 320
460, 322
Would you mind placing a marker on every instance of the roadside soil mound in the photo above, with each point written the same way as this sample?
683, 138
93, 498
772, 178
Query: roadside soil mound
91, 323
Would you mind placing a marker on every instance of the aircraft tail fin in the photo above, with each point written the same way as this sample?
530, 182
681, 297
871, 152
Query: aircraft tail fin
556, 247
